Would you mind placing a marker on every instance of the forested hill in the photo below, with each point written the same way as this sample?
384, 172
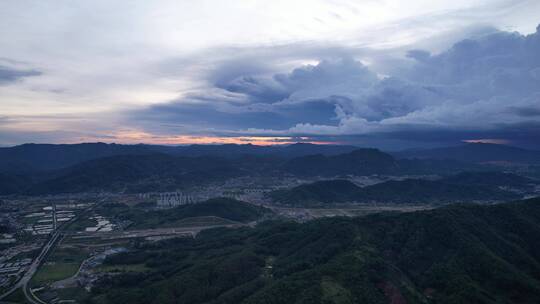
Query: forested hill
490, 178
145, 169
476, 152
138, 173
357, 162
230, 210
471, 187
454, 254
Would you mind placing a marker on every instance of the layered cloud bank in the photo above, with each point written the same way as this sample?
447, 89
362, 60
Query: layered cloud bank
380, 73
487, 87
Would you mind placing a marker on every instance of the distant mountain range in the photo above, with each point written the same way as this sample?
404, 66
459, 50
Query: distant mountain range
475, 152
283, 151
463, 187
44, 157
137, 173
165, 172
51, 169
357, 162
32, 157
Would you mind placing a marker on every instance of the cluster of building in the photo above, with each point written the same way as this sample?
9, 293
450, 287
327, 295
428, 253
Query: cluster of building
248, 189
12, 270
15, 266
8, 219
7, 238
102, 225
300, 215
13, 251
174, 199
48, 219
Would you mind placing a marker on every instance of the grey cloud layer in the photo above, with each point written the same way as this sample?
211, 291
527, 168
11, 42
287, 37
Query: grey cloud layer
8, 74
478, 87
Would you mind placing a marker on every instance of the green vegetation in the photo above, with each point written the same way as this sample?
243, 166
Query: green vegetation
148, 169
358, 162
123, 268
412, 191
454, 254
72, 293
49, 273
95, 241
490, 178
137, 173
202, 221
12, 183
61, 264
477, 153
426, 191
317, 193
81, 224
16, 297
214, 211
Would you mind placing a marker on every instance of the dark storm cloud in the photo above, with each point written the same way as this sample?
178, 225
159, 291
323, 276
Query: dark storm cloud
8, 75
526, 111
524, 134
257, 89
484, 87
420, 55
205, 115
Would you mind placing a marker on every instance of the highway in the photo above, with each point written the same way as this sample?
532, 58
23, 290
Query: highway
33, 268
54, 240
23, 282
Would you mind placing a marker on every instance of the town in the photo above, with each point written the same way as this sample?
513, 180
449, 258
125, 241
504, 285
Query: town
57, 243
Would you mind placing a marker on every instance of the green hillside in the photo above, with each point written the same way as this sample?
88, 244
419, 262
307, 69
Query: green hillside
402, 191
225, 208
492, 178
316, 193
357, 162
137, 173
454, 254
427, 191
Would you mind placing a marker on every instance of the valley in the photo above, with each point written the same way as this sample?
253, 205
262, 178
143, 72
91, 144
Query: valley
92, 232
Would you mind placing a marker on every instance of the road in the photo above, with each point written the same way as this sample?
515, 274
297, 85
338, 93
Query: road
49, 246
191, 231
23, 282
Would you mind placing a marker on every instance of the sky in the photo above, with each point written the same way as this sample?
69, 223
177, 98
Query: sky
383, 73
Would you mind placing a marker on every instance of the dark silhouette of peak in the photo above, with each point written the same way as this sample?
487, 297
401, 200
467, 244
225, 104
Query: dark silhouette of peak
476, 152
407, 191
41, 157
50, 156
357, 162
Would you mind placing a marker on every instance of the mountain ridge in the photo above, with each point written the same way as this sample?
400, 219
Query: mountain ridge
38, 157
475, 152
456, 188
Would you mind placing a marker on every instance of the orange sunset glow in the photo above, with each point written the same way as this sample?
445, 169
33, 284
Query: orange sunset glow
135, 137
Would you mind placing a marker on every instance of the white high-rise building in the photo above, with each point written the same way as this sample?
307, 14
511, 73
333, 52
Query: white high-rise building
173, 199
